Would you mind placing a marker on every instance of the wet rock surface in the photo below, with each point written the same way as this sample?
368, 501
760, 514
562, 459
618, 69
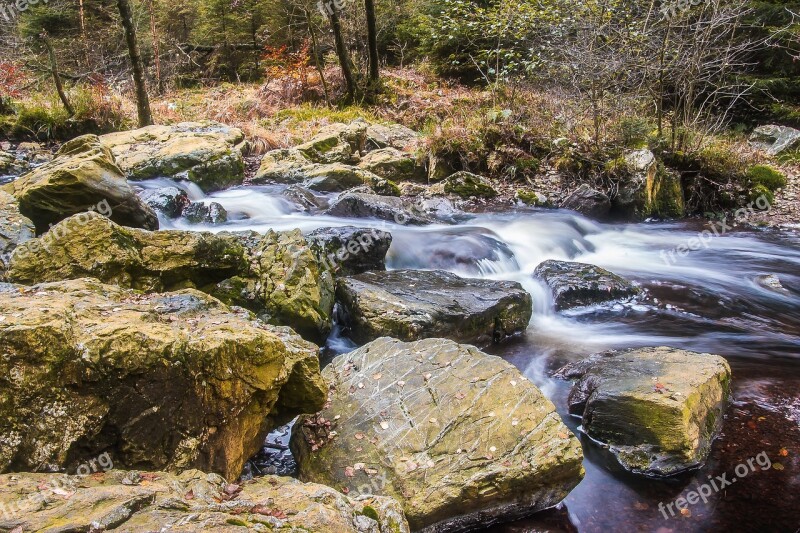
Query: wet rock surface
15, 229
775, 139
587, 201
82, 176
414, 304
206, 153
578, 284
202, 213
173, 380
169, 201
350, 250
459, 437
390, 208
658, 409
135, 501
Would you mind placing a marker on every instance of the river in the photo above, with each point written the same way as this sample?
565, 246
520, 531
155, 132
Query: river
716, 299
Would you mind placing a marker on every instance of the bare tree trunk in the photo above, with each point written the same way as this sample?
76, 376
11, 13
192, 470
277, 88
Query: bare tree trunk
156, 47
54, 70
341, 52
314, 50
82, 14
372, 42
142, 100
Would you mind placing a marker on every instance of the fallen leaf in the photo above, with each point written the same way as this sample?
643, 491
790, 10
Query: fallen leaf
377, 376
385, 425
349, 471
562, 435
359, 436
784, 452
686, 512
777, 466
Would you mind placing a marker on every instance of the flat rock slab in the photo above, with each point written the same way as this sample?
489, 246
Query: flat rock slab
459, 437
658, 409
206, 153
163, 381
192, 501
579, 284
418, 304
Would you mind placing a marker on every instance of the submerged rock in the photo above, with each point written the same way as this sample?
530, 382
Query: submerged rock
362, 205
83, 176
658, 409
587, 201
275, 275
171, 381
460, 438
416, 304
578, 284
15, 229
206, 153
170, 201
201, 213
192, 501
350, 250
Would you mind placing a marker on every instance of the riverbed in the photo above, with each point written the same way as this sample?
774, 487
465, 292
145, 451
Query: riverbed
736, 295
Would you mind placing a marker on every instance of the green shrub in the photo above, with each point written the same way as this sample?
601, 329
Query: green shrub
633, 132
767, 176
759, 191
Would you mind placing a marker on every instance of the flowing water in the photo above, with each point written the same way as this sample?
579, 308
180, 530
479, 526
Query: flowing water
717, 299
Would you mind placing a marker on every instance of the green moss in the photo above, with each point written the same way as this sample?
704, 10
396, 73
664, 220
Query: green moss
370, 512
236, 522
767, 176
530, 197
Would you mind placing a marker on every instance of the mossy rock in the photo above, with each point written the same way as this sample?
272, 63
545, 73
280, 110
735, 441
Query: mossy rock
206, 153
285, 283
531, 197
658, 409
392, 164
145, 501
83, 176
174, 380
466, 185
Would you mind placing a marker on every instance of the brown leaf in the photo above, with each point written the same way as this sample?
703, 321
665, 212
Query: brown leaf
189, 495
349, 471
232, 488
784, 452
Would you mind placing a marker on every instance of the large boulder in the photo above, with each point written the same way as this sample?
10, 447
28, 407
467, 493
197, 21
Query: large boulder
391, 208
415, 304
392, 136
647, 188
658, 409
460, 438
172, 381
15, 228
276, 275
336, 143
206, 153
775, 139
349, 250
82, 177
285, 165
393, 164
589, 202
337, 177
579, 284
193, 501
